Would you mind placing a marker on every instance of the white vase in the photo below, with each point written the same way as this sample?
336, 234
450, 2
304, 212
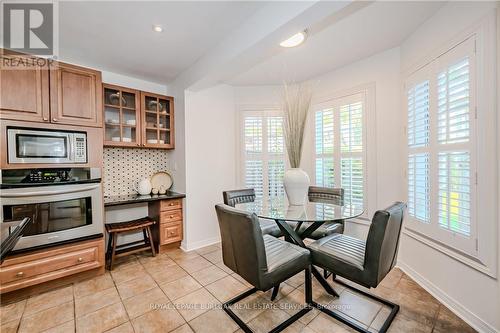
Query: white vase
296, 183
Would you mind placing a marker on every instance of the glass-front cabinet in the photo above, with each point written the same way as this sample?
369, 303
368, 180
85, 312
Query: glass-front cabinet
122, 117
158, 121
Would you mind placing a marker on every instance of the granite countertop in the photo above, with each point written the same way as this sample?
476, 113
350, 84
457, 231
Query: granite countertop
125, 199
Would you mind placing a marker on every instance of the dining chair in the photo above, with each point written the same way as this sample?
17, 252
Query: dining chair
234, 197
365, 263
263, 261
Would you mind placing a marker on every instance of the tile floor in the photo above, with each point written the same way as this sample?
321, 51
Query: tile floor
181, 292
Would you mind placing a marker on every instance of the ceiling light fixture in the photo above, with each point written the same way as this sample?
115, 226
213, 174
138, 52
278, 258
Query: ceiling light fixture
295, 40
157, 28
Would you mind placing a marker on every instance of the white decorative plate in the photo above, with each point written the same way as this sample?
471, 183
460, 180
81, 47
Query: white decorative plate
162, 178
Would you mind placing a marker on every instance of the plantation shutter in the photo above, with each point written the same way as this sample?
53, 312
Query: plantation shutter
339, 147
263, 153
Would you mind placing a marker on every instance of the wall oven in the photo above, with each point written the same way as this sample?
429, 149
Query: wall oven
62, 210
32, 146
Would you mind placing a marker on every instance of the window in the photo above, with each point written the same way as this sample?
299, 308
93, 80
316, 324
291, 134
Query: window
340, 154
440, 175
263, 162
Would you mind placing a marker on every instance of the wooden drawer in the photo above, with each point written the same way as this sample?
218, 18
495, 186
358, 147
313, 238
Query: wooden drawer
22, 271
170, 232
170, 204
171, 216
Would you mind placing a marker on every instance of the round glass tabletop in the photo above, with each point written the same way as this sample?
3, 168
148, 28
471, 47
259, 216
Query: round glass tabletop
311, 211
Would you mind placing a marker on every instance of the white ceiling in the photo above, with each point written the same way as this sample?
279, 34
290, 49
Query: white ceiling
117, 35
375, 28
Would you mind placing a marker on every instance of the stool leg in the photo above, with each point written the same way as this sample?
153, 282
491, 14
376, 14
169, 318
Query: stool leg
150, 239
108, 249
113, 250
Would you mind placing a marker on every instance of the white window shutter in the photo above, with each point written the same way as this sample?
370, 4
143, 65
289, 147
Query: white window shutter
418, 115
418, 187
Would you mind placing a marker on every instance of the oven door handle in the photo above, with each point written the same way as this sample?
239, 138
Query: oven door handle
40, 193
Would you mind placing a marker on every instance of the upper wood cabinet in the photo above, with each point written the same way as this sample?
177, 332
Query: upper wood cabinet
75, 95
24, 93
62, 94
158, 121
122, 116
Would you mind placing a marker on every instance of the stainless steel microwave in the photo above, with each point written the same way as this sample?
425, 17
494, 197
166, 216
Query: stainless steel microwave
33, 146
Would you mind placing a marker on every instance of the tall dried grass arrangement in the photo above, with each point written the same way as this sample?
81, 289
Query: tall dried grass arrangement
296, 104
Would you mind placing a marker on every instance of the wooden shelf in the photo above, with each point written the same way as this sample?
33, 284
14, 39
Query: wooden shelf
155, 128
112, 106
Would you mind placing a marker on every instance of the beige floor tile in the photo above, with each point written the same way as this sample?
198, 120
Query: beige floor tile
224, 268
250, 307
356, 306
183, 329
96, 301
128, 273
158, 321
13, 311
67, 327
214, 257
179, 255
448, 322
226, 288
93, 285
402, 324
142, 303
424, 312
208, 249
180, 287
380, 318
168, 274
296, 280
123, 328
208, 275
124, 262
391, 280
196, 303
194, 264
48, 318
284, 290
267, 320
9, 327
102, 320
293, 303
325, 324
215, 320
135, 287
49, 299
242, 280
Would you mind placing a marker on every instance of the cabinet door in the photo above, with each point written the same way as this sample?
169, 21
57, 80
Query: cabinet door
122, 117
75, 95
157, 121
24, 93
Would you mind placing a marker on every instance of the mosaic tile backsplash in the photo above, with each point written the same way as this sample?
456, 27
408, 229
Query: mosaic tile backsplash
124, 167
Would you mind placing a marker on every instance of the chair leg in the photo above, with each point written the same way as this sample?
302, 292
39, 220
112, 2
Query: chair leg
394, 310
275, 292
150, 240
113, 251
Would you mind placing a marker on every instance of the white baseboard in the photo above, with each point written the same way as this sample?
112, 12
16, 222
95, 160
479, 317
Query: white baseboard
470, 318
199, 244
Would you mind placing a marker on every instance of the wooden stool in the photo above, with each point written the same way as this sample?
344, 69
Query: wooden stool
114, 229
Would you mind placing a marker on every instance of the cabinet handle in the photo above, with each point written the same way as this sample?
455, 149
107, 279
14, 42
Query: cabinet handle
45, 119
80, 259
171, 216
171, 204
20, 274
54, 120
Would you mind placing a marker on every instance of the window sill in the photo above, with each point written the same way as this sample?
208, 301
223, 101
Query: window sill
468, 260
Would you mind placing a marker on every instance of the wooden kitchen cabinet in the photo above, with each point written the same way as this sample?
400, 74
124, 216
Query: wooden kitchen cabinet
169, 229
157, 120
56, 93
25, 270
75, 95
122, 116
24, 93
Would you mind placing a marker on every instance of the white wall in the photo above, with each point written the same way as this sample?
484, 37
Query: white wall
210, 161
474, 296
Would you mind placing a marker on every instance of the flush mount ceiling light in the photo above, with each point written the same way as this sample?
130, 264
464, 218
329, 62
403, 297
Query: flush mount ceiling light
295, 40
157, 28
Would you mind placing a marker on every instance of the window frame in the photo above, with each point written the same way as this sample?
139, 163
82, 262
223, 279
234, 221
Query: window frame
486, 138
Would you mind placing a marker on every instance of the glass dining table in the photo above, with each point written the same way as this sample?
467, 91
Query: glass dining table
290, 219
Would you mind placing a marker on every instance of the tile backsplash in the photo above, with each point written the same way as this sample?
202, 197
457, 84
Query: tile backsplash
124, 167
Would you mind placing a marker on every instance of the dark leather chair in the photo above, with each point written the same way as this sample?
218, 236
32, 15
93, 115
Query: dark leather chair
262, 260
232, 198
328, 195
365, 263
